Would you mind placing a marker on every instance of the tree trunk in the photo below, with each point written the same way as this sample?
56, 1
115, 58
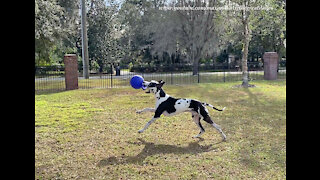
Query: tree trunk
195, 66
246, 41
195, 59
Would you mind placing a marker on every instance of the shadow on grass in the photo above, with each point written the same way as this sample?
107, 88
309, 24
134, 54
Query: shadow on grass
252, 97
153, 149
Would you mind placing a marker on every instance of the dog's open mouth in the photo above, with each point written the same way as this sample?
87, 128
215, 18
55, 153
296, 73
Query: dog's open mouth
144, 87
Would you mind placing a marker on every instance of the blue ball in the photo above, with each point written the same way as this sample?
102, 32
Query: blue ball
136, 81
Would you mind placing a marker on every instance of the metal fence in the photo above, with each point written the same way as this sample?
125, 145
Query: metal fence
49, 78
52, 78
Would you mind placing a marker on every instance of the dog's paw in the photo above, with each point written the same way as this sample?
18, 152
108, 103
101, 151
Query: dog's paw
197, 136
224, 138
140, 131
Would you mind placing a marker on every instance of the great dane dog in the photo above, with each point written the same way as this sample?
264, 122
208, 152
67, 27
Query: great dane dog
170, 106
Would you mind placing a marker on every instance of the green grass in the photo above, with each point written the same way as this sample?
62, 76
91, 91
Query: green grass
92, 134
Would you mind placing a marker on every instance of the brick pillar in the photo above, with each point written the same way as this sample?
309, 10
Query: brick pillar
270, 65
71, 71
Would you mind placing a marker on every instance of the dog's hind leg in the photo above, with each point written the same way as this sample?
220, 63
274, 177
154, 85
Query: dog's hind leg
208, 120
196, 119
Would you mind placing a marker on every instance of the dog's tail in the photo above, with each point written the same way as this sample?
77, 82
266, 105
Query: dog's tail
206, 104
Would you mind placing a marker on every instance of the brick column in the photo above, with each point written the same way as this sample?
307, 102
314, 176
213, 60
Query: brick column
270, 65
71, 71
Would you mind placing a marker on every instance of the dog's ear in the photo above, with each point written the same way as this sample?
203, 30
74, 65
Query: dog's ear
161, 83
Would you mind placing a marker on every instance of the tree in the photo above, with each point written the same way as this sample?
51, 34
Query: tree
266, 28
246, 40
55, 29
47, 28
70, 23
192, 32
245, 16
270, 28
102, 31
134, 43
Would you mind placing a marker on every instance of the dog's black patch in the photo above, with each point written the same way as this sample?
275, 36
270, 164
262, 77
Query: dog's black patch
152, 84
162, 93
194, 105
208, 120
167, 105
198, 107
201, 126
203, 112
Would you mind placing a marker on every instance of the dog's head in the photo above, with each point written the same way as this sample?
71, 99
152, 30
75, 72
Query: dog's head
153, 86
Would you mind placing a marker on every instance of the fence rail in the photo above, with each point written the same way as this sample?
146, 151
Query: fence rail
52, 78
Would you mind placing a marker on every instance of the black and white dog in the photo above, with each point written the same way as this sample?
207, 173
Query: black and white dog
169, 106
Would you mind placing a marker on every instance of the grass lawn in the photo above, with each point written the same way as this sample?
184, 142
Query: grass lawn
93, 134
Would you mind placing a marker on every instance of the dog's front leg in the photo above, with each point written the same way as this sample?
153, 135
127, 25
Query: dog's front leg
147, 125
146, 110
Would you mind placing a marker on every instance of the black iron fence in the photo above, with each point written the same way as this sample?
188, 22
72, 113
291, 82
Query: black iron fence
52, 78
49, 78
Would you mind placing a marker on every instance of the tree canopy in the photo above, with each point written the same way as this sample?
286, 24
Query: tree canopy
144, 32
